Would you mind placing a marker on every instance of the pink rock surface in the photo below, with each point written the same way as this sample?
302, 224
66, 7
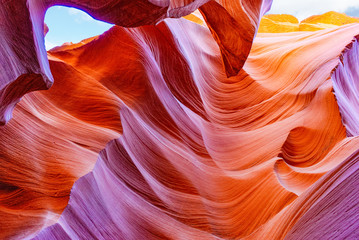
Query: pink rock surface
345, 81
25, 66
202, 155
212, 131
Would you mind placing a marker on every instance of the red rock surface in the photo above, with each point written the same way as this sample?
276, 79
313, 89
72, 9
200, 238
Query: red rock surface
211, 133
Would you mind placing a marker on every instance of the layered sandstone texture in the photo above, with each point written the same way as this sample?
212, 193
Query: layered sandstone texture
210, 126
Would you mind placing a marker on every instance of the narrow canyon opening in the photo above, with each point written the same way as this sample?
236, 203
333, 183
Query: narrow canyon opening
70, 25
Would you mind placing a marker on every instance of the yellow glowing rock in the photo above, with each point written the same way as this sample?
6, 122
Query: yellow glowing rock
331, 18
195, 17
326, 20
274, 23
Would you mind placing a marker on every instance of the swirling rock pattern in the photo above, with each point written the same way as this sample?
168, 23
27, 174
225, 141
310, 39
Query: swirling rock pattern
345, 82
287, 23
194, 145
213, 131
54, 139
25, 67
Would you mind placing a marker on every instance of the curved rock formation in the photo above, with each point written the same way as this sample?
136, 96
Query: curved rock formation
209, 156
345, 81
25, 67
211, 134
53, 139
274, 23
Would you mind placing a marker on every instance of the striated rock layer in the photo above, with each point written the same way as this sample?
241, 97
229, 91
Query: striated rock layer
211, 134
25, 67
287, 23
208, 156
345, 80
